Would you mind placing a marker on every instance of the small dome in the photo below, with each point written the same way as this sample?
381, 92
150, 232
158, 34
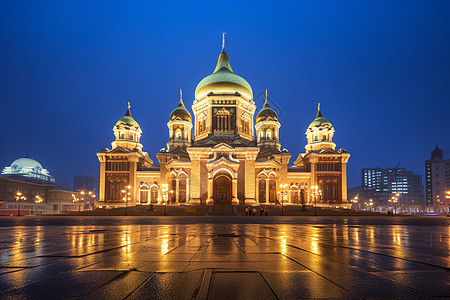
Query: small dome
180, 112
319, 121
223, 79
128, 120
26, 162
266, 113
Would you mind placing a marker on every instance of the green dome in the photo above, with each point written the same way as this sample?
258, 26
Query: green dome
319, 121
128, 120
181, 112
266, 113
223, 79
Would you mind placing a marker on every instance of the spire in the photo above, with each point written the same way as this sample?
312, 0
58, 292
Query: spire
266, 103
27, 155
223, 63
181, 104
128, 113
223, 41
319, 114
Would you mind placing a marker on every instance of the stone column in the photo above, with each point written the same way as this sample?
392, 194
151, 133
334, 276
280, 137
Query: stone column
188, 194
102, 191
210, 200
195, 181
234, 200
177, 190
250, 180
344, 182
267, 190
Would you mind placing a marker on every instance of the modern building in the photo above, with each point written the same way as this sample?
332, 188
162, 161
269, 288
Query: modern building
27, 188
223, 155
437, 181
381, 184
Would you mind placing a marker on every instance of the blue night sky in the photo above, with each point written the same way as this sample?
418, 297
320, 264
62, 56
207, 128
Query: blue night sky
380, 69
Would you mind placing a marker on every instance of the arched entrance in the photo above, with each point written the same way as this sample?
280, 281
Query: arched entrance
222, 190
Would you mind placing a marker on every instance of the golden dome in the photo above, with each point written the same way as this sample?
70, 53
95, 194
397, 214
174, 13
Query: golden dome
223, 80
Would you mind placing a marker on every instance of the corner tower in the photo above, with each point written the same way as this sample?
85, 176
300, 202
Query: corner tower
180, 125
267, 127
320, 134
223, 104
127, 132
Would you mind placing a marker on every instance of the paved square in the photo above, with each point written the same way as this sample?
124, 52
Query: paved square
224, 257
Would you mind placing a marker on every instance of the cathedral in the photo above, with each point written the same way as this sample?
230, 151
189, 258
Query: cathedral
223, 156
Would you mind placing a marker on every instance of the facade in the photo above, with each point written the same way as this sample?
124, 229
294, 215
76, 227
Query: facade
381, 184
222, 155
27, 188
437, 181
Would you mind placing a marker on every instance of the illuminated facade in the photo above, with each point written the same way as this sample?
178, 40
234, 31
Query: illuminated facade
222, 155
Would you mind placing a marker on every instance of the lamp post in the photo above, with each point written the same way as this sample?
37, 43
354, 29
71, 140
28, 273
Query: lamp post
394, 200
370, 205
282, 186
315, 192
19, 196
355, 201
126, 196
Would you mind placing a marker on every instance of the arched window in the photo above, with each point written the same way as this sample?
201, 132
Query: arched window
316, 138
122, 136
144, 193
324, 137
262, 189
154, 194
182, 188
268, 135
294, 195
178, 134
172, 189
272, 189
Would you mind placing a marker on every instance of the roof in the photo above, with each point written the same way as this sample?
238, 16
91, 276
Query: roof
319, 120
223, 79
266, 112
181, 112
127, 119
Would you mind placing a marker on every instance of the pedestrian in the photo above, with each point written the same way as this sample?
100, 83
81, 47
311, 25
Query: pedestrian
261, 210
254, 211
266, 211
246, 211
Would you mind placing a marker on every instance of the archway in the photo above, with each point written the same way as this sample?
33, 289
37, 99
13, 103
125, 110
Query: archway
222, 190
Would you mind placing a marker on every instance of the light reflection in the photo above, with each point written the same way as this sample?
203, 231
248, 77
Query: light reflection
314, 245
283, 245
165, 245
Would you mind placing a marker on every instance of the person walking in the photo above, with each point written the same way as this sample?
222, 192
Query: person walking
261, 211
254, 211
266, 211
246, 211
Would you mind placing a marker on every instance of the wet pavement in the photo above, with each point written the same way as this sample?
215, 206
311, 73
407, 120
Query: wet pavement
224, 257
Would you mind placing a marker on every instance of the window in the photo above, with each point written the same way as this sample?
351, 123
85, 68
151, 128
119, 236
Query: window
324, 137
178, 134
268, 135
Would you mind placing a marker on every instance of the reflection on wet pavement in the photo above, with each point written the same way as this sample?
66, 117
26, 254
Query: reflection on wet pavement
224, 258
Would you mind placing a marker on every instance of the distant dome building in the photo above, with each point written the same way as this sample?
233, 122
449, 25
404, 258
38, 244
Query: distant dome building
28, 168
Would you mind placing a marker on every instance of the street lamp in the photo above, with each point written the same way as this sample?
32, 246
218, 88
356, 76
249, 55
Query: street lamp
282, 186
394, 200
19, 196
370, 205
126, 196
315, 192
355, 201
